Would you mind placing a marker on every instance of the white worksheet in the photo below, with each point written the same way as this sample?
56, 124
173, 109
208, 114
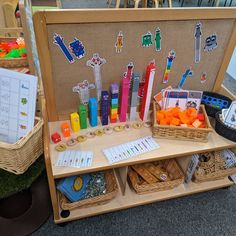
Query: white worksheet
130, 149
17, 104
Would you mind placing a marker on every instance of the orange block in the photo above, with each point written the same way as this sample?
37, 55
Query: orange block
175, 121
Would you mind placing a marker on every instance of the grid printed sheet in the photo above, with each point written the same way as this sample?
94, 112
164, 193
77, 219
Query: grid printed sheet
17, 104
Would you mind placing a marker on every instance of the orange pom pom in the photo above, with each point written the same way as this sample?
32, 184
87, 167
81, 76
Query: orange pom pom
159, 116
164, 121
175, 121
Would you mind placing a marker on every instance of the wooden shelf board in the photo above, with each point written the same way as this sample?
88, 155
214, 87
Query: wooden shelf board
131, 199
168, 149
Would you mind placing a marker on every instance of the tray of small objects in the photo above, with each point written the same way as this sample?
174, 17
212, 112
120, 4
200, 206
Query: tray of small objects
178, 114
215, 102
215, 165
87, 190
155, 176
13, 53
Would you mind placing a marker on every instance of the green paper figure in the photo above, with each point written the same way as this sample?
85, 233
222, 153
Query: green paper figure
147, 39
24, 101
158, 39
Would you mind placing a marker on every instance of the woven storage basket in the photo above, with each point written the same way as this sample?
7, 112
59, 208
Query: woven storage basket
12, 62
210, 110
212, 170
223, 129
174, 171
178, 132
17, 157
111, 191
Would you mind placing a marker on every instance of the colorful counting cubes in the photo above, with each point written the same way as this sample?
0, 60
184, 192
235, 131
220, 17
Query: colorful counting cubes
83, 116
65, 129
75, 122
114, 90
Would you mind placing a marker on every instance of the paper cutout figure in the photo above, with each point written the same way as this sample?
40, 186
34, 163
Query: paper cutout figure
210, 43
187, 73
158, 39
169, 63
59, 41
77, 48
96, 62
119, 42
83, 89
203, 77
147, 39
198, 35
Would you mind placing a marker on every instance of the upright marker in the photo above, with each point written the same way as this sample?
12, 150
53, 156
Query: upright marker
149, 79
104, 107
134, 96
125, 84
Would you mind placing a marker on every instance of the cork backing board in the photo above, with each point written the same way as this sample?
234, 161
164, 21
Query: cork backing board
101, 37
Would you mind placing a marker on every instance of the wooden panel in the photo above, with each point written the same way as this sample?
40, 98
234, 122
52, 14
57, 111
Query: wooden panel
132, 199
168, 149
98, 34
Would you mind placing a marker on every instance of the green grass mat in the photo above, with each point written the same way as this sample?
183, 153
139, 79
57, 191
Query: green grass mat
11, 183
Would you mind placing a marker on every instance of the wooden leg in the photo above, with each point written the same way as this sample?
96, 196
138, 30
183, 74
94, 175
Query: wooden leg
117, 3
144, 3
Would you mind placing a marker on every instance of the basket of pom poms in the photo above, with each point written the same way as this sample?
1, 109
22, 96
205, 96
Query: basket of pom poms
13, 53
173, 123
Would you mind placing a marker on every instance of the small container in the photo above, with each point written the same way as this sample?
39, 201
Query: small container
217, 101
223, 129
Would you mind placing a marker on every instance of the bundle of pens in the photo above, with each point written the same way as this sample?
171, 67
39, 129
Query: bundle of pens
155, 176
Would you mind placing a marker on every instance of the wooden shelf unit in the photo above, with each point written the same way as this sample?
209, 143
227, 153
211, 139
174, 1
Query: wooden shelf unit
181, 150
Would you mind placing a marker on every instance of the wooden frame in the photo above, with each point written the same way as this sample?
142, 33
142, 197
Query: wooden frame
126, 198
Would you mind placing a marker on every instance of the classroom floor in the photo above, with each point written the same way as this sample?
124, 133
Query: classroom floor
211, 213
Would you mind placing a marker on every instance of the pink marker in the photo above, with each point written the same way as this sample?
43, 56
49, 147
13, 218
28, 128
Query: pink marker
125, 84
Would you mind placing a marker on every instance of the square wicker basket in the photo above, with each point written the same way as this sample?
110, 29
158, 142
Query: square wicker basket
174, 171
18, 157
111, 191
178, 132
213, 169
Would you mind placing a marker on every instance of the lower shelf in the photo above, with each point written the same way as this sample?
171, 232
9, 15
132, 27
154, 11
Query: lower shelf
131, 199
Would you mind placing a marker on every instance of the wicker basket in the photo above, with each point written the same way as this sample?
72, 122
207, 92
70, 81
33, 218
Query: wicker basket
210, 110
223, 129
212, 169
17, 157
178, 132
12, 62
174, 171
111, 191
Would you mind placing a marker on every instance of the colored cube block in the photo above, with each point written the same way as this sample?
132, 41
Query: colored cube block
114, 101
114, 111
56, 138
65, 129
83, 116
75, 122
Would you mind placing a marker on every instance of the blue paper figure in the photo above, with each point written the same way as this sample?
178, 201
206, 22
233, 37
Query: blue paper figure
59, 41
186, 74
77, 48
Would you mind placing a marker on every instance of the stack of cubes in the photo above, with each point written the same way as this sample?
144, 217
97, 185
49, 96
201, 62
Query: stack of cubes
114, 90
